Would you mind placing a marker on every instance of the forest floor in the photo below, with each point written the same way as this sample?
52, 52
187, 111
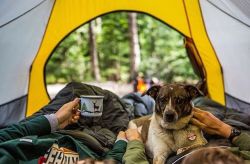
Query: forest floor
118, 88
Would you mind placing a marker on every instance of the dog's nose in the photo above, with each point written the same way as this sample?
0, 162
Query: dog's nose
169, 116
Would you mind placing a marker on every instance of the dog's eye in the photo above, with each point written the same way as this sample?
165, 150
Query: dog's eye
163, 99
179, 101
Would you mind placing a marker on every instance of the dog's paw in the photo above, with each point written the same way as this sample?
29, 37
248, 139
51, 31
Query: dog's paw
159, 159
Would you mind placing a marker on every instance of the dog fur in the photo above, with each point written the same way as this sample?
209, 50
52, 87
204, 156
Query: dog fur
168, 130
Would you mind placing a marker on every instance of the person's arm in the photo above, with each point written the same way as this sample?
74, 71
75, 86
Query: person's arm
212, 125
135, 152
42, 125
118, 149
242, 141
37, 126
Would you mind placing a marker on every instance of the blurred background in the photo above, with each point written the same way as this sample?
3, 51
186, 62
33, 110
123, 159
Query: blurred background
121, 52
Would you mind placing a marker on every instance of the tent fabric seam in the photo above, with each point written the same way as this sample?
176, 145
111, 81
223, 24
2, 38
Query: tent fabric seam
221, 70
233, 17
237, 98
30, 70
13, 100
26, 12
204, 71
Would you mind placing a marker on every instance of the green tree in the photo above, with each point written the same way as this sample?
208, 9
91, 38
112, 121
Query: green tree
162, 52
70, 60
93, 51
135, 54
113, 47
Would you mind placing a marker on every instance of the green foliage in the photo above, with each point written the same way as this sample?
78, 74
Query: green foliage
70, 60
113, 47
162, 52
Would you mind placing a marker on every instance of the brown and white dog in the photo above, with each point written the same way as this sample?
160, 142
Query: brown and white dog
168, 130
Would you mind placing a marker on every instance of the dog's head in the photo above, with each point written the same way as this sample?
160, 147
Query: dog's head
173, 103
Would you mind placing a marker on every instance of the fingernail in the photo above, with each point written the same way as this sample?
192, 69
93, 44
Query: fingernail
76, 99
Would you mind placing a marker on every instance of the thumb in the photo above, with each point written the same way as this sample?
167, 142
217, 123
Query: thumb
74, 103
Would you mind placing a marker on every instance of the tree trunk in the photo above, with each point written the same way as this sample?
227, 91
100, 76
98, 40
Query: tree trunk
93, 52
134, 45
118, 68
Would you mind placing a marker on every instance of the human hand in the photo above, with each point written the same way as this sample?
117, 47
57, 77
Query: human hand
121, 136
68, 113
133, 134
210, 124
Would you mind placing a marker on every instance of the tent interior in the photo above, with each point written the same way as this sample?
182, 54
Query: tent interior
217, 36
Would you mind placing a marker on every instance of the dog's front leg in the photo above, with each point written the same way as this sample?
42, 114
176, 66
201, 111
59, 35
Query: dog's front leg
161, 156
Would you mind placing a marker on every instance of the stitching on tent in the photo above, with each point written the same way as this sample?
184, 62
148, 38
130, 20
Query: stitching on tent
22, 14
221, 70
237, 98
14, 100
27, 108
203, 70
233, 17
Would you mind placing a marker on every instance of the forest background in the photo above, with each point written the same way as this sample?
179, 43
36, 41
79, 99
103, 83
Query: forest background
116, 47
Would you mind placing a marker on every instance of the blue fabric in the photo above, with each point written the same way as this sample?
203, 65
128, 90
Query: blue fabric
141, 105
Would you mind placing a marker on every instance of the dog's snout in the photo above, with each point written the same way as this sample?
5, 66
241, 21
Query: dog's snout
169, 116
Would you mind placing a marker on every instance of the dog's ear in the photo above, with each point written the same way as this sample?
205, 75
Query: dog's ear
193, 91
202, 86
152, 91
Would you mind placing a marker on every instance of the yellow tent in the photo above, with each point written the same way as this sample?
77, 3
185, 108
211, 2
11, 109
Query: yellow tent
217, 38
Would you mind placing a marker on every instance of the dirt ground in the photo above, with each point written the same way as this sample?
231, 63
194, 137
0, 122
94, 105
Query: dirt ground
118, 88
